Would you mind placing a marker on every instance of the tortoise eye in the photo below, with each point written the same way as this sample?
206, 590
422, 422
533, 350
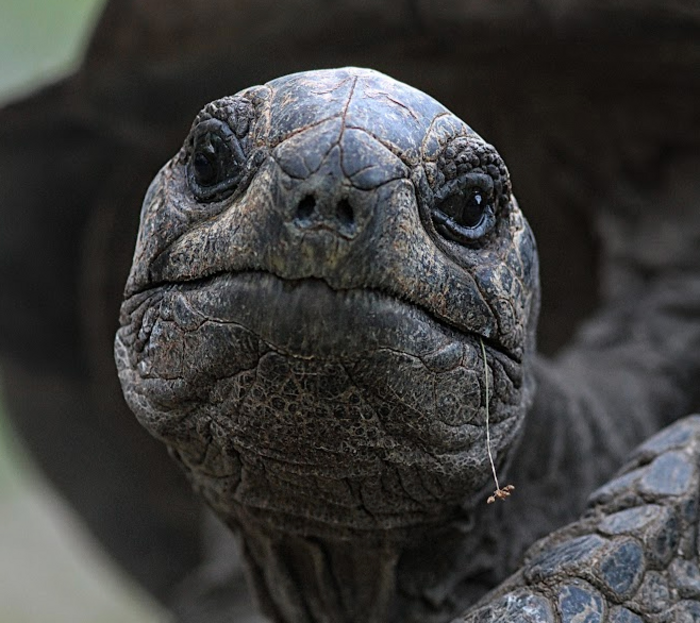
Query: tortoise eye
216, 163
464, 208
467, 211
206, 169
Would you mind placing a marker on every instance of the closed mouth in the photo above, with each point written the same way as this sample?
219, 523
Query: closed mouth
307, 317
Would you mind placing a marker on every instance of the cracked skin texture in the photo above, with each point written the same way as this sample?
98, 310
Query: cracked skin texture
302, 323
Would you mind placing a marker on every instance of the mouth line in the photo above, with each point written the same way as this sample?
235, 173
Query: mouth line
294, 284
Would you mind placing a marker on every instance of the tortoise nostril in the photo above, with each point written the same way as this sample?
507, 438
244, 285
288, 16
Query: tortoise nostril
309, 213
306, 207
345, 213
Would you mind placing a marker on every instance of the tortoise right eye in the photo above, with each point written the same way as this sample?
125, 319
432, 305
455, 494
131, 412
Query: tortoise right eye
206, 168
216, 163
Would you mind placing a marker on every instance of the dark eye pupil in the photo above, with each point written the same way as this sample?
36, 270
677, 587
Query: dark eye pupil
466, 210
204, 169
216, 162
473, 209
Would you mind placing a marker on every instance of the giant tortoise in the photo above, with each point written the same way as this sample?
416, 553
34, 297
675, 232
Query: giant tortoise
594, 109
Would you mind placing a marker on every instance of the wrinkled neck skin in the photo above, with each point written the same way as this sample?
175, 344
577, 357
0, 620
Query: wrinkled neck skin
429, 573
431, 577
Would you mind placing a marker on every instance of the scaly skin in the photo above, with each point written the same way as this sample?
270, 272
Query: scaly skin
632, 558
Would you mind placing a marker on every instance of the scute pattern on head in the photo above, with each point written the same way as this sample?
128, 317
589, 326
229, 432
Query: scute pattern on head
308, 341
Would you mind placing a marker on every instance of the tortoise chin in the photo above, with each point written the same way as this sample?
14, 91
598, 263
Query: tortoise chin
346, 410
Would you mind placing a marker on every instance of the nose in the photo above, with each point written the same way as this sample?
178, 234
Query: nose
321, 213
330, 181
325, 200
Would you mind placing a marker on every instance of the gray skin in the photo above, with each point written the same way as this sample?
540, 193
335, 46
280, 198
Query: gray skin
593, 106
315, 274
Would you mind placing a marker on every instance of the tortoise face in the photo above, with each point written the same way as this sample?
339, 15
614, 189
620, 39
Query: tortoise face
313, 277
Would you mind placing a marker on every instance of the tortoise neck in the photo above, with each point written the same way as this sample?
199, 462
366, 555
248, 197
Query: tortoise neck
431, 576
302, 579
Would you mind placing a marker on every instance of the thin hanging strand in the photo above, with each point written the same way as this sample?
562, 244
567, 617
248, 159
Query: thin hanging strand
498, 494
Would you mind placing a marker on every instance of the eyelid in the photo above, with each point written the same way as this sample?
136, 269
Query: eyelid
464, 182
213, 125
448, 228
224, 132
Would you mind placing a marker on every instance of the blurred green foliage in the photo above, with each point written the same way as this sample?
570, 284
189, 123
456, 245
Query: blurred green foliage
40, 39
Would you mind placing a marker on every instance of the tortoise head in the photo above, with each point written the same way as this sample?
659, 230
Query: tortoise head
314, 277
